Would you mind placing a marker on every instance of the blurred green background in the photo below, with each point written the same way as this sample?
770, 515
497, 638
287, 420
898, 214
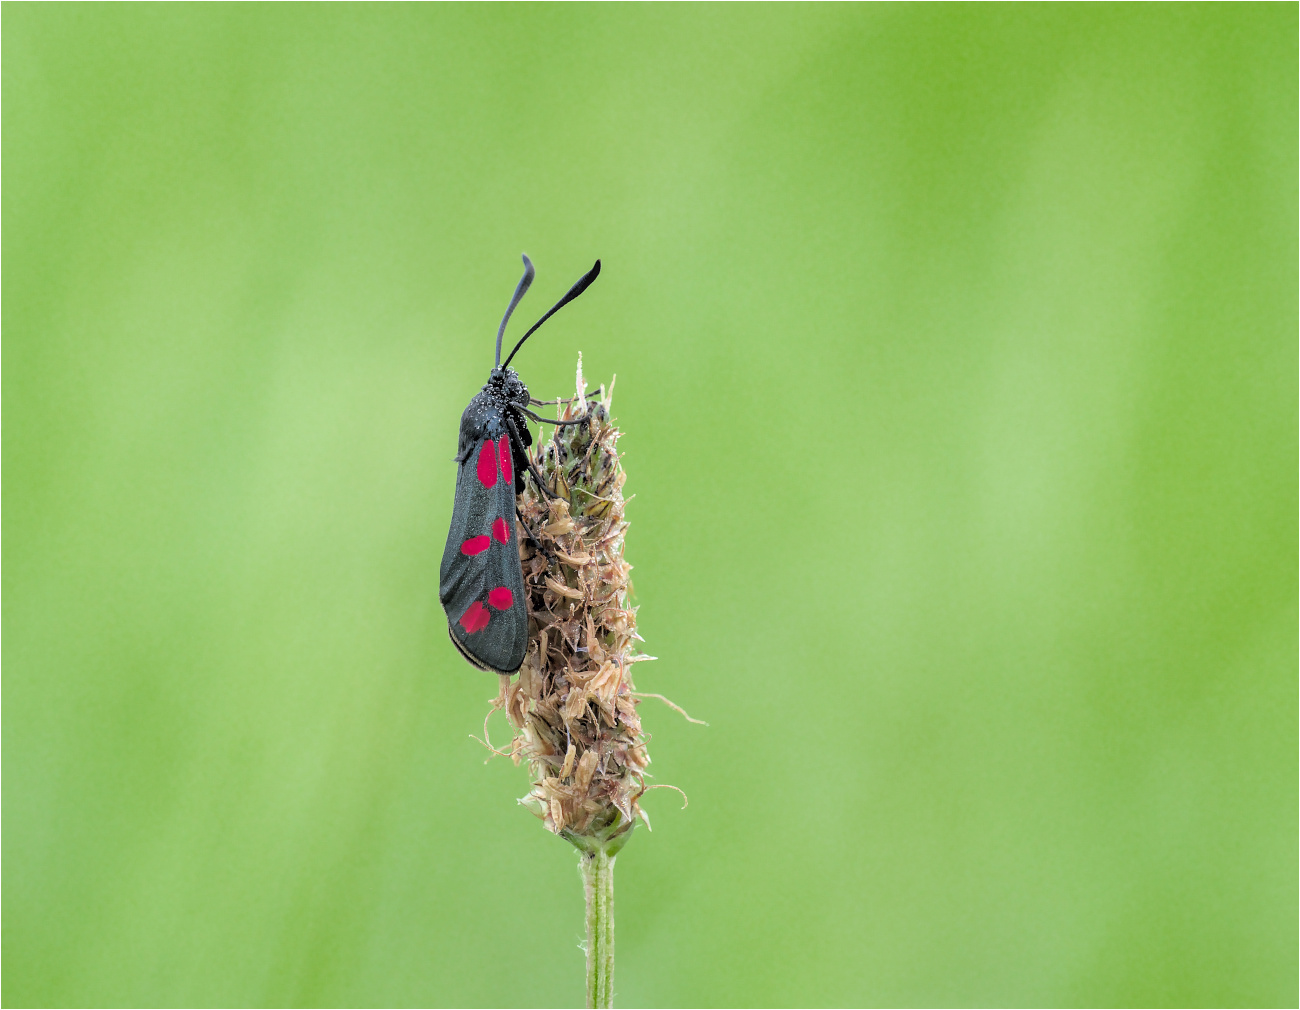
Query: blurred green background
956, 354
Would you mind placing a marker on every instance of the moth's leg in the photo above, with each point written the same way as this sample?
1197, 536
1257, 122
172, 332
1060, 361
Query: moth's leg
519, 455
532, 467
551, 403
547, 420
536, 543
516, 442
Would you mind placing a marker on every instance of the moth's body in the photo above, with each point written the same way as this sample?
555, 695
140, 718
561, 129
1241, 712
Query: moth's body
482, 554
481, 580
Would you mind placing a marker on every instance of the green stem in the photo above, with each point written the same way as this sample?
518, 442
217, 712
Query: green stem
598, 884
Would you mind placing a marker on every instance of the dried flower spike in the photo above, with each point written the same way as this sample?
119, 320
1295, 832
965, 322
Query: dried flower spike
572, 705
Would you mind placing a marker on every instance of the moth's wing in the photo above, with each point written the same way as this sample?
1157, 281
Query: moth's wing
481, 582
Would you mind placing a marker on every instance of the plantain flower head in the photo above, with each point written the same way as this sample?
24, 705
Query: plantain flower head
572, 706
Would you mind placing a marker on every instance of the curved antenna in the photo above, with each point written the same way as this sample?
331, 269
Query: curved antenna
574, 291
520, 290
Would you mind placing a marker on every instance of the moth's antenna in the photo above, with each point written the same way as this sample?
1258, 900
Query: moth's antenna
574, 291
520, 289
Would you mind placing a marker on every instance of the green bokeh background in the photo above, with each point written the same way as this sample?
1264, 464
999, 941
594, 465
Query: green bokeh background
956, 355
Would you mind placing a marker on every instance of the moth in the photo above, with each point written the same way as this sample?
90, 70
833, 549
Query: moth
481, 581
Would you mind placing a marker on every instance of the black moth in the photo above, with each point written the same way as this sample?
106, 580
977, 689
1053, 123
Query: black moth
481, 582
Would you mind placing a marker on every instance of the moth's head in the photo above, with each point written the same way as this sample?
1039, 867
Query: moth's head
505, 382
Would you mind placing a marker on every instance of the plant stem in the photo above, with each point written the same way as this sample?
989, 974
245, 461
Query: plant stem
598, 884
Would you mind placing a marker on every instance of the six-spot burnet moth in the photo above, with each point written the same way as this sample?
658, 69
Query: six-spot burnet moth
481, 581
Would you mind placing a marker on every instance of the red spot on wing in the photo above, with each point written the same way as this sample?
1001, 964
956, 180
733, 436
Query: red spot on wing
507, 464
476, 545
487, 463
499, 530
501, 598
475, 618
